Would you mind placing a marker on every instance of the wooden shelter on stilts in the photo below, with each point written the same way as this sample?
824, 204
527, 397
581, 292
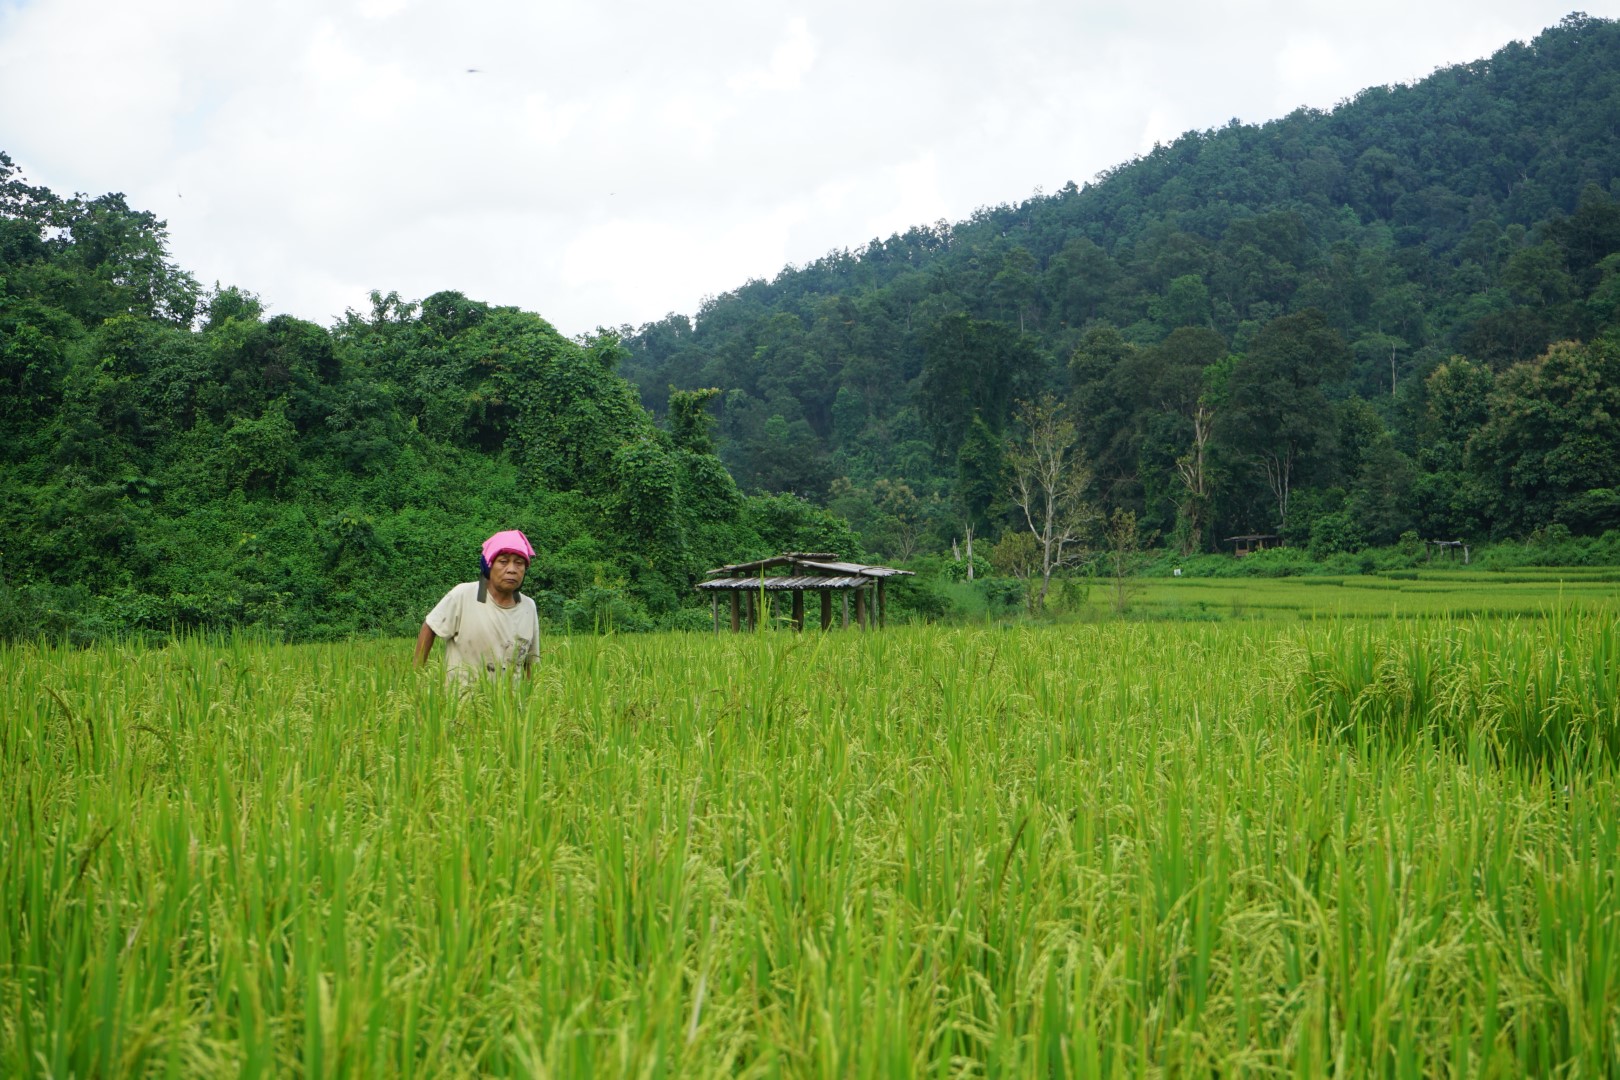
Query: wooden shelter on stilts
752, 586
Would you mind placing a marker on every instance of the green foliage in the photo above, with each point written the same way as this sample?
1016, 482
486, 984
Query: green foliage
1340, 326
982, 482
957, 570
1070, 594
926, 597
690, 424
973, 370
320, 484
1267, 274
1552, 437
789, 523
1554, 545
1334, 533
1004, 594
260, 452
1122, 553
1016, 555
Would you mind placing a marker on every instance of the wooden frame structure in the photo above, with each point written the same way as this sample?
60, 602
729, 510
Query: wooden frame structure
1251, 543
797, 573
1447, 548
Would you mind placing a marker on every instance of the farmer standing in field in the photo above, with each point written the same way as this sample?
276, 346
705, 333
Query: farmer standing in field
487, 626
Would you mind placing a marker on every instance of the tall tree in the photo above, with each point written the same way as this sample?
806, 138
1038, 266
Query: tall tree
1194, 471
1277, 414
1550, 449
981, 483
1050, 486
973, 368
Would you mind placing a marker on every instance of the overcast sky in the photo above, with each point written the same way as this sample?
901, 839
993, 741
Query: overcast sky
604, 163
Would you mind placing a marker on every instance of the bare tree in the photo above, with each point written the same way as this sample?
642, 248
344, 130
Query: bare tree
1050, 477
1193, 467
1279, 465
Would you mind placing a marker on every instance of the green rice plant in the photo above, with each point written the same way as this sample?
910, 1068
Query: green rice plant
1106, 848
1539, 693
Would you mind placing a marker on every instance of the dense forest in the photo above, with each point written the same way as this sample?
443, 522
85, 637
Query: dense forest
174, 459
1395, 319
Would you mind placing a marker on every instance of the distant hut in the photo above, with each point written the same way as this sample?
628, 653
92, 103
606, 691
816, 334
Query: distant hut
1250, 543
796, 573
1447, 548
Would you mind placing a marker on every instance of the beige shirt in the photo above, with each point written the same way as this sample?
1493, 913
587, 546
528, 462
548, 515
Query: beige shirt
484, 638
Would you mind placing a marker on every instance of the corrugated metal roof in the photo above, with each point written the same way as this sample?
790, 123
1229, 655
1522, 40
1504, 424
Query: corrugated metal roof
773, 584
855, 568
783, 559
749, 567
832, 573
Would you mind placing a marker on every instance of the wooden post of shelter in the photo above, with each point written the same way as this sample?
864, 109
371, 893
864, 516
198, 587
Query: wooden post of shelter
736, 613
860, 609
882, 606
714, 599
753, 611
798, 609
845, 593
826, 608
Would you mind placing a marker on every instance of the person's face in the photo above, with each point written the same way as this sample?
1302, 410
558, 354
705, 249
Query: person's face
506, 573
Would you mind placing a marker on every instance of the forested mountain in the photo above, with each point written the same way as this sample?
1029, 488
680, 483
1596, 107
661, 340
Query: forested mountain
1399, 315
170, 458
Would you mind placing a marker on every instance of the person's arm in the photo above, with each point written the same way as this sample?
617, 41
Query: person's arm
424, 644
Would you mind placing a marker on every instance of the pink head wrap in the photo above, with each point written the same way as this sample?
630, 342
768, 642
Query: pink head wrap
511, 540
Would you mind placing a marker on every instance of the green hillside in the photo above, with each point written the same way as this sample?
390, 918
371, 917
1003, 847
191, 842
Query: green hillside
1354, 321
1395, 318
171, 459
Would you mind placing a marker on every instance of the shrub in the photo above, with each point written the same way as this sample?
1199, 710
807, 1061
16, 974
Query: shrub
1002, 594
602, 609
954, 570
689, 619
1334, 533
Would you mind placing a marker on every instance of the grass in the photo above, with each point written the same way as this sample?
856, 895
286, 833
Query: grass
1237, 848
1406, 594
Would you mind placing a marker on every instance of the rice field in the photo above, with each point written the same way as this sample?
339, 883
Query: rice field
1246, 847
1451, 592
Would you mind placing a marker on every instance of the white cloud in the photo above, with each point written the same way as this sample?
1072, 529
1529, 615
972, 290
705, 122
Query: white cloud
1305, 64
790, 62
610, 163
917, 199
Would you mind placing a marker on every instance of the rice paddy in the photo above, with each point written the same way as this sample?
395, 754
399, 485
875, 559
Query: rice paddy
1240, 847
1528, 591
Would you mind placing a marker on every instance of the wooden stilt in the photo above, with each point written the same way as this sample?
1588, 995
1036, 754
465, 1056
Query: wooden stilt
826, 608
715, 597
882, 606
860, 609
845, 593
736, 612
798, 609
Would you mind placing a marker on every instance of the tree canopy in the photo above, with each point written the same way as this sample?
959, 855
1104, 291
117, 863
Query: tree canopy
175, 459
1398, 316
1252, 292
